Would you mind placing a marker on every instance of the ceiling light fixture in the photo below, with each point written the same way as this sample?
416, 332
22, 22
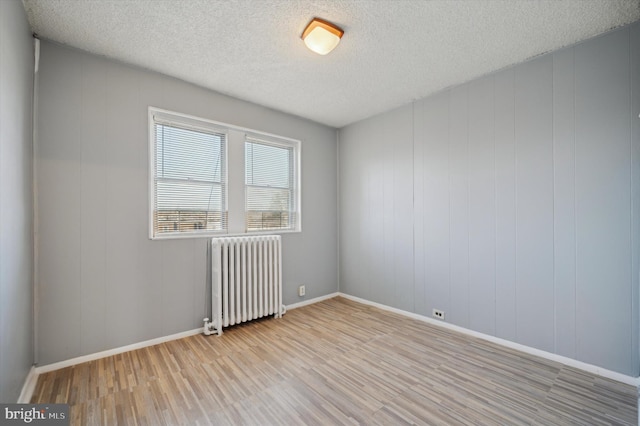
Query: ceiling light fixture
321, 36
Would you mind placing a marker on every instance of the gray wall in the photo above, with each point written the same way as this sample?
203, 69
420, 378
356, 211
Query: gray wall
16, 200
104, 282
511, 202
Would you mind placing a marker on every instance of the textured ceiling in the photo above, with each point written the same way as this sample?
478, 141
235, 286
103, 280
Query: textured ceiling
392, 52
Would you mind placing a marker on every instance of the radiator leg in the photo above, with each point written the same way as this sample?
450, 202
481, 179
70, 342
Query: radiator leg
210, 328
207, 327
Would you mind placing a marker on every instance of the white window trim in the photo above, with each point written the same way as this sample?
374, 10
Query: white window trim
235, 193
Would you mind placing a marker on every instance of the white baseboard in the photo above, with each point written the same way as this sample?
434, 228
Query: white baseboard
312, 301
593, 369
115, 351
32, 377
29, 386
139, 345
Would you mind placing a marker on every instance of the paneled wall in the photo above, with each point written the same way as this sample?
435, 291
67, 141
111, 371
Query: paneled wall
16, 199
103, 284
511, 202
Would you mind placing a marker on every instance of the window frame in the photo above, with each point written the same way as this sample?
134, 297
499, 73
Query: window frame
187, 122
295, 146
236, 137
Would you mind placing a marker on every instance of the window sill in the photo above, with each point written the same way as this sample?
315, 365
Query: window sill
183, 236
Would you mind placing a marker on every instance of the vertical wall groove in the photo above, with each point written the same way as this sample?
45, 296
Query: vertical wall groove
634, 46
631, 240
575, 208
495, 209
553, 207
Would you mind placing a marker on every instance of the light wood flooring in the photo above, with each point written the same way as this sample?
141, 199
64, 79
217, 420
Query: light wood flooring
334, 362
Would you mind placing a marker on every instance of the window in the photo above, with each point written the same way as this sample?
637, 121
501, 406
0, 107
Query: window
208, 178
189, 178
271, 186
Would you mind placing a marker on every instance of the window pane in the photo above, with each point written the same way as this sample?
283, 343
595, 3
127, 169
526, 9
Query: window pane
270, 191
188, 154
186, 195
268, 199
189, 181
267, 165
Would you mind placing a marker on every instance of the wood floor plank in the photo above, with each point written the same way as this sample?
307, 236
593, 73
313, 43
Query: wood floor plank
335, 362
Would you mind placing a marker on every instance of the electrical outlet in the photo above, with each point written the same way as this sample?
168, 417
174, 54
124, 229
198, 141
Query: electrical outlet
301, 291
438, 314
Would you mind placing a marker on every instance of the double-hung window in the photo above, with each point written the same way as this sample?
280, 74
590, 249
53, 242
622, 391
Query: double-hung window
208, 178
271, 192
189, 177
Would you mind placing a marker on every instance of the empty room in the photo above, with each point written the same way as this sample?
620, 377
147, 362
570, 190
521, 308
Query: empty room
320, 212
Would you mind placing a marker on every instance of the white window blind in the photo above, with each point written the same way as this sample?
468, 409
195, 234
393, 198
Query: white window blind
271, 190
189, 180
